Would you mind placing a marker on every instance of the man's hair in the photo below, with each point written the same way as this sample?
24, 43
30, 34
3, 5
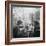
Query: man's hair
19, 22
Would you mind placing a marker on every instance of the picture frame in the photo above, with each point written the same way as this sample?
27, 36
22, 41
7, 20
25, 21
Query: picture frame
14, 8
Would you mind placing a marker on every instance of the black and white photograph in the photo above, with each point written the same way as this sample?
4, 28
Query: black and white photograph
25, 22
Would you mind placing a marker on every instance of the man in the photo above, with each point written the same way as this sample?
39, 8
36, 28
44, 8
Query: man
18, 31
